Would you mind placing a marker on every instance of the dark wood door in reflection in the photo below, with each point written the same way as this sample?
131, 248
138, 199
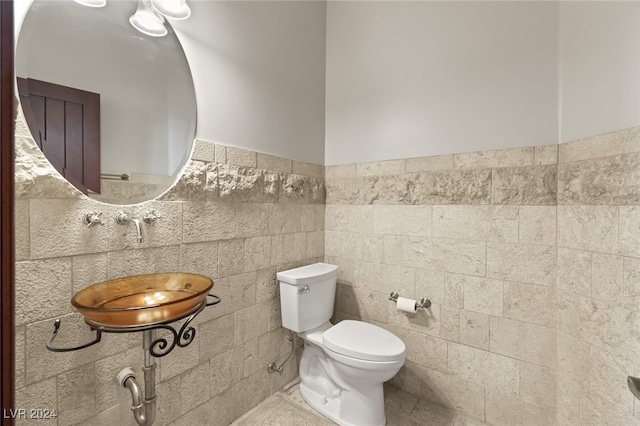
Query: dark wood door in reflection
65, 122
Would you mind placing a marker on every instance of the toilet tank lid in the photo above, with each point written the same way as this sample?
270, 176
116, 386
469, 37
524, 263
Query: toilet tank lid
308, 274
362, 340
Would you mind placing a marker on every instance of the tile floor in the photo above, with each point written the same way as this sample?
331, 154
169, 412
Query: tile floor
402, 409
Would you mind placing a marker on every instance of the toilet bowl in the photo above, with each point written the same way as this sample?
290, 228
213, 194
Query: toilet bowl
343, 366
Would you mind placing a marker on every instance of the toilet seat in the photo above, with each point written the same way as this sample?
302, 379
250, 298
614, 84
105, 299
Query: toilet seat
363, 341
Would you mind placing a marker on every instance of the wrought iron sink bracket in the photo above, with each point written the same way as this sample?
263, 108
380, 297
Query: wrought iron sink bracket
159, 347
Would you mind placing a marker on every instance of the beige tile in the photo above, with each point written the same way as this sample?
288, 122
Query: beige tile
362, 303
499, 158
527, 342
430, 284
197, 180
88, 270
361, 218
293, 247
453, 291
341, 170
284, 218
314, 244
70, 236
568, 392
345, 190
449, 222
308, 169
522, 263
452, 391
537, 225
373, 248
530, 303
308, 218
423, 350
474, 329
19, 354
545, 154
203, 151
424, 320
426, 413
593, 228
631, 270
429, 164
274, 163
294, 188
351, 245
42, 289
200, 258
630, 231
252, 220
130, 262
392, 189
606, 374
337, 217
609, 327
179, 361
216, 336
481, 295
76, 395
608, 277
241, 156
169, 400
221, 153
574, 271
616, 143
21, 227
41, 395
463, 257
236, 292
455, 187
537, 385
194, 385
385, 278
257, 253
250, 357
216, 221
491, 223
266, 285
402, 220
598, 411
380, 168
231, 257
573, 360
223, 375
167, 258
568, 314
610, 180
250, 323
532, 185
244, 184
450, 324
503, 408
332, 243
485, 368
202, 415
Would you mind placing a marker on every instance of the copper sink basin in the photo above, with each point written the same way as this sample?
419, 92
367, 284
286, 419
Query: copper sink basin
141, 300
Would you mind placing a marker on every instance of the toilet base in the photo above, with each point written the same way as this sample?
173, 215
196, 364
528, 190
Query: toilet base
330, 407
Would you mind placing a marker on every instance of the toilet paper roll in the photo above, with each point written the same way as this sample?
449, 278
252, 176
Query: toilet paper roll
406, 305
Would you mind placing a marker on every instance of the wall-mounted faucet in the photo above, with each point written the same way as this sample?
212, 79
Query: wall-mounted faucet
92, 218
123, 219
151, 217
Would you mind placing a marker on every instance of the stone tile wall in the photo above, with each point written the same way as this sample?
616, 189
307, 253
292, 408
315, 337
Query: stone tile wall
475, 233
532, 260
598, 279
236, 216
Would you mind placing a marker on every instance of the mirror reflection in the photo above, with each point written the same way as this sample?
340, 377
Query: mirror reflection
68, 54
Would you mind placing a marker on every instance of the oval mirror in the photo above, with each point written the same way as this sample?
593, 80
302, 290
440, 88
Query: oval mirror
114, 110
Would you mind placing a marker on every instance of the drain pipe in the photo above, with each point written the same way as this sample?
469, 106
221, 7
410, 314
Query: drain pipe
143, 406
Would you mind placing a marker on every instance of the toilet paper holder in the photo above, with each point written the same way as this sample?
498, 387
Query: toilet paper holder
422, 303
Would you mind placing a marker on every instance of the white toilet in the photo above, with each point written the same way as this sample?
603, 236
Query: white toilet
343, 366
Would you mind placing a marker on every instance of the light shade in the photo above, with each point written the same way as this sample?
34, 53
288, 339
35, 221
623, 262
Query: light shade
92, 3
147, 21
174, 9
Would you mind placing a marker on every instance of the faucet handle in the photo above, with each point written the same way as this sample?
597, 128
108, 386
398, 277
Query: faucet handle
92, 218
151, 217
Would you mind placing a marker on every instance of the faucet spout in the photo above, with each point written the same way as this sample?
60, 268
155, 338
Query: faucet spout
136, 222
123, 219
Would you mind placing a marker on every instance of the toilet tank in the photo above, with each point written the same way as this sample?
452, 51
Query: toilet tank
307, 295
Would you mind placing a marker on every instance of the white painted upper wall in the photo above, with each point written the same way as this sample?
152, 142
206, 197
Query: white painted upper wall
600, 67
407, 79
259, 73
